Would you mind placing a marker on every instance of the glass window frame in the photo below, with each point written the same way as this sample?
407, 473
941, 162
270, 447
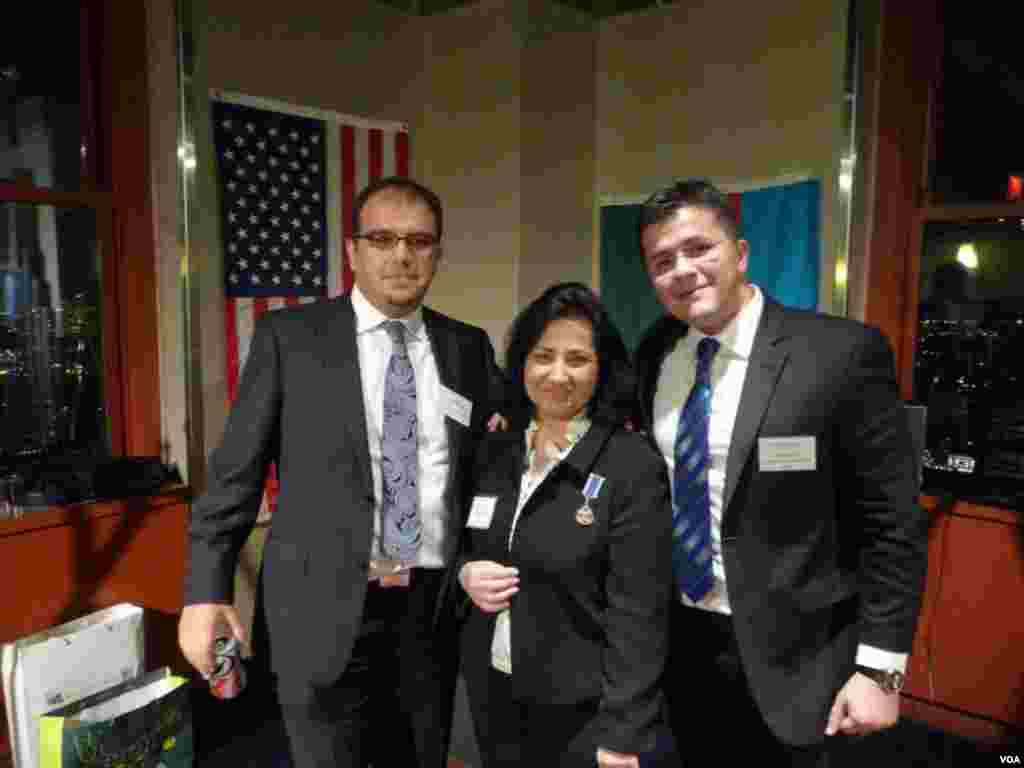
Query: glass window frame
115, 185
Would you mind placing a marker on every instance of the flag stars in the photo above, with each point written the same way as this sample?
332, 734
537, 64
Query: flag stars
285, 206
263, 175
243, 264
296, 252
316, 226
242, 234
272, 132
239, 141
276, 279
316, 197
233, 277
229, 154
294, 165
250, 128
232, 248
232, 217
296, 223
273, 162
232, 186
283, 149
254, 249
317, 280
254, 219
264, 235
264, 205
275, 191
304, 151
275, 221
306, 266
286, 266
285, 237
297, 280
314, 167
306, 237
295, 194
261, 145
264, 264
275, 250
294, 135
240, 202
240, 172
285, 178
314, 139
253, 189
254, 279
226, 124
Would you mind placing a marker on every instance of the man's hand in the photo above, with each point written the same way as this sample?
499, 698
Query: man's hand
489, 584
497, 423
608, 759
861, 707
200, 625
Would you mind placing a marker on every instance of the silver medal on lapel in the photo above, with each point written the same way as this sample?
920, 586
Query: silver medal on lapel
591, 489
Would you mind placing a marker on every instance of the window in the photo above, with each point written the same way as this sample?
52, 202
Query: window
73, 304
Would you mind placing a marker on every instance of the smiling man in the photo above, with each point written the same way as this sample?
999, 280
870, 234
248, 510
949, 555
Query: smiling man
799, 549
371, 406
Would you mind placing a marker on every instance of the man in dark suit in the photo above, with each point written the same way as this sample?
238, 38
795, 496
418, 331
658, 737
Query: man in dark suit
798, 545
370, 405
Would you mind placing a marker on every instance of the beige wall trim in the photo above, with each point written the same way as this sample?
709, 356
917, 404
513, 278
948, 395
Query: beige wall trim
258, 102
729, 187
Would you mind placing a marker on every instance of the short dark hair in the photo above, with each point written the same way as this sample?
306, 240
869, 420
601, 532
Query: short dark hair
412, 190
614, 398
690, 192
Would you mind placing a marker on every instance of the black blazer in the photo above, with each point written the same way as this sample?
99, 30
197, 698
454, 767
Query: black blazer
816, 561
300, 403
590, 619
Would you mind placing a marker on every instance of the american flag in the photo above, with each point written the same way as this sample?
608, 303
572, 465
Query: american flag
288, 178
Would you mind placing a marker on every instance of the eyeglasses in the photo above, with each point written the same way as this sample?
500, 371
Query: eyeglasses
386, 240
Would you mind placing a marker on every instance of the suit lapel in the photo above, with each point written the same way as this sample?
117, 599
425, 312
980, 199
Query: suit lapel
341, 369
767, 360
576, 466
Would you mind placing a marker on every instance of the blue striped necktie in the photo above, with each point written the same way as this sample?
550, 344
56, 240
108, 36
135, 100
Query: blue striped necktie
691, 503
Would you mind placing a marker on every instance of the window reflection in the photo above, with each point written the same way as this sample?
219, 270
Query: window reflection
41, 141
969, 358
51, 394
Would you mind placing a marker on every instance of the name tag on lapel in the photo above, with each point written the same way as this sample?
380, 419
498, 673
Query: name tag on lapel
481, 512
456, 406
787, 454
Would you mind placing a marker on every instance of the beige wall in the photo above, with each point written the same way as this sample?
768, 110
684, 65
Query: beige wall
523, 116
697, 89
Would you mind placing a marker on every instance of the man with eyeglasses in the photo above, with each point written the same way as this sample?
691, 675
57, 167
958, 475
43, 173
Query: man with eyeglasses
799, 549
371, 405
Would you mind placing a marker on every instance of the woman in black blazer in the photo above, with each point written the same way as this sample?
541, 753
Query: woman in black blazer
567, 553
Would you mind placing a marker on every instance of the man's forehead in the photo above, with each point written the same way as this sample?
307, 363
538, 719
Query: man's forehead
688, 222
396, 202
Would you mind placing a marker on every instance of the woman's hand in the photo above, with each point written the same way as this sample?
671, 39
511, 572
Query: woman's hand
608, 759
490, 585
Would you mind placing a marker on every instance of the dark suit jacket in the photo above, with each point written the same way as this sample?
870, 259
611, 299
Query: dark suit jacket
590, 618
816, 561
300, 404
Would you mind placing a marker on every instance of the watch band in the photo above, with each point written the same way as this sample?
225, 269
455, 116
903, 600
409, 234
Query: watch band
889, 680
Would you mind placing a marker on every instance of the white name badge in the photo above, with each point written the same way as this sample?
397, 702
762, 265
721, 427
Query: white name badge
456, 406
481, 512
787, 454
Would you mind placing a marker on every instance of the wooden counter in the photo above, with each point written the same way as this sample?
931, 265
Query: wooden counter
62, 563
966, 673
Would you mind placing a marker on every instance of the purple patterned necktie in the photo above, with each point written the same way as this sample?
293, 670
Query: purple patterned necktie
400, 529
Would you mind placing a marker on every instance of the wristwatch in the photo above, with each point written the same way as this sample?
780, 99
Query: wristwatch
889, 680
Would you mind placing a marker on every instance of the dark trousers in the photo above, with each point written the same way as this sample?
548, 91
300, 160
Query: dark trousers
393, 704
710, 701
517, 734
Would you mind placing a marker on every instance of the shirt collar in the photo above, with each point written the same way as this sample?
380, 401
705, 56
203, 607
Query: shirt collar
738, 336
369, 318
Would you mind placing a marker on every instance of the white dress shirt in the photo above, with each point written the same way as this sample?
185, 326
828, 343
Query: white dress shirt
374, 347
728, 372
